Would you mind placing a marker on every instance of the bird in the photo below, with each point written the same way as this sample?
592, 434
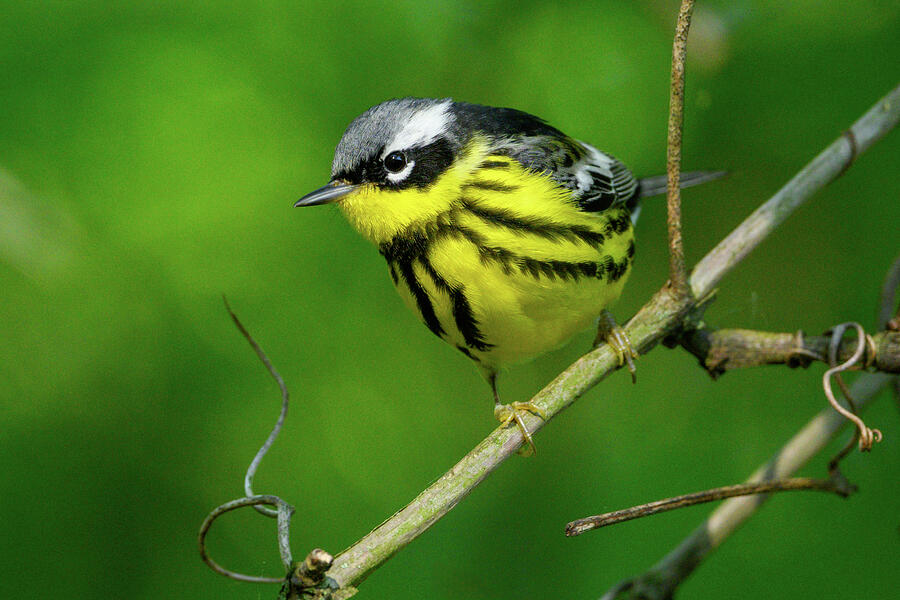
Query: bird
503, 234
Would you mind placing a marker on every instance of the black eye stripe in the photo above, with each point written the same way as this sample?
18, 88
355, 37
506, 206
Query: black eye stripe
430, 162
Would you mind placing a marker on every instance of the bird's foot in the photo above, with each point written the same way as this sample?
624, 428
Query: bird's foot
608, 331
507, 413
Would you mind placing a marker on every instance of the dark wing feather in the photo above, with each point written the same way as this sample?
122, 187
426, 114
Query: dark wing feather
597, 180
602, 181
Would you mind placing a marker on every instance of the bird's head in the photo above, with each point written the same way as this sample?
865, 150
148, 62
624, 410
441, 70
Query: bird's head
398, 164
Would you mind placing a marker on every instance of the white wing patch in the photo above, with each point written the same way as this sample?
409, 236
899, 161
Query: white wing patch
422, 128
596, 163
602, 180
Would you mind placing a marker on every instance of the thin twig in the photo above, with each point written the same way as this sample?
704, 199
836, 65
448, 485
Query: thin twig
580, 526
273, 435
677, 268
662, 579
660, 317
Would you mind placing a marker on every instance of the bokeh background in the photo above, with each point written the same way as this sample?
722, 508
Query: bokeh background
149, 157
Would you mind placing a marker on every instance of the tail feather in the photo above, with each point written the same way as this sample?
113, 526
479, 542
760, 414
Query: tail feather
654, 186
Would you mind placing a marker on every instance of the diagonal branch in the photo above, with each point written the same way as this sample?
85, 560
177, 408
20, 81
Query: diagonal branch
823, 169
661, 316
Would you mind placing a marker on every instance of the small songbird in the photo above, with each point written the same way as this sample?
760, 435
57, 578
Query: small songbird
502, 233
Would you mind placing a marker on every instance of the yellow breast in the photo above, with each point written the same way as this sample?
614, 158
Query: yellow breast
498, 260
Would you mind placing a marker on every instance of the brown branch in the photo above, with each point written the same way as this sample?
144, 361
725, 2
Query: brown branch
754, 344
663, 578
677, 268
835, 485
722, 350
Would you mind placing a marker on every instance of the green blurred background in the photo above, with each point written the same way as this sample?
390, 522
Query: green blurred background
149, 157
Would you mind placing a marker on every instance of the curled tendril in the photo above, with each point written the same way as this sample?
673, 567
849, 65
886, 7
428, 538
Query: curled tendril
867, 437
281, 510
284, 511
285, 400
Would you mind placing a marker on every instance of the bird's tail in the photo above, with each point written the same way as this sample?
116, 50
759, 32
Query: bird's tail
654, 186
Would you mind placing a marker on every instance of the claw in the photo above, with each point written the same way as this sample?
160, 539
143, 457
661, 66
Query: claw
608, 331
507, 413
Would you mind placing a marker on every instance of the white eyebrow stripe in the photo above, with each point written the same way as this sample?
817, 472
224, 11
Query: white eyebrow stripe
422, 128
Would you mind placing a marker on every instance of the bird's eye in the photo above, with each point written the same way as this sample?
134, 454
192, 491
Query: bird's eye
395, 162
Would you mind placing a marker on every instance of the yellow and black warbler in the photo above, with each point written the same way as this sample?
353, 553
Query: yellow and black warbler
502, 233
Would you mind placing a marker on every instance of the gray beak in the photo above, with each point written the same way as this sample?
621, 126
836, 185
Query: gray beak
332, 192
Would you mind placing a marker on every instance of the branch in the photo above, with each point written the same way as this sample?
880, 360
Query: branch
660, 317
836, 483
677, 269
837, 486
722, 350
662, 579
824, 168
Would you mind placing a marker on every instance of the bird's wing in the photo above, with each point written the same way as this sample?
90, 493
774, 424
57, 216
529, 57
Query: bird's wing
601, 181
598, 181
